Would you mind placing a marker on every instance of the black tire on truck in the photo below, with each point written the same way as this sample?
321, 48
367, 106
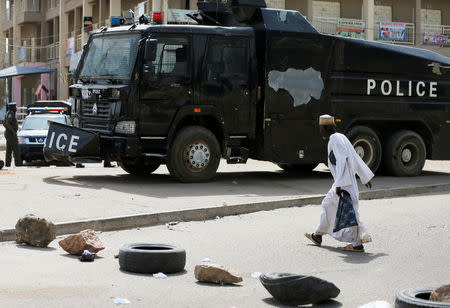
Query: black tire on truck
367, 144
404, 154
152, 258
297, 169
139, 166
417, 299
194, 155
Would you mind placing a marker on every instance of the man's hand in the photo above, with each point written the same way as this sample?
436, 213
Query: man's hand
338, 191
369, 185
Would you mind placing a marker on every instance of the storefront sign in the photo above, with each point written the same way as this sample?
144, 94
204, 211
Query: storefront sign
392, 31
354, 29
439, 39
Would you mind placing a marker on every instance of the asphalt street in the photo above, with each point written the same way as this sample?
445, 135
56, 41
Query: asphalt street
410, 249
63, 194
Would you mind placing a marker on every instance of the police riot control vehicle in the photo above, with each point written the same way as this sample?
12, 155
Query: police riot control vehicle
250, 82
31, 135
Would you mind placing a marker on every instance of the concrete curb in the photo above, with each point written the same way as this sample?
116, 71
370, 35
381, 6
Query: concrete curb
200, 214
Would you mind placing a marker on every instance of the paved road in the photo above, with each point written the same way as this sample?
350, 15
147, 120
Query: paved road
64, 194
410, 250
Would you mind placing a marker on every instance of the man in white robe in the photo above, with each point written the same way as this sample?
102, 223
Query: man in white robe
344, 163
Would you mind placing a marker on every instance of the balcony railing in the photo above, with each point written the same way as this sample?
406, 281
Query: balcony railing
32, 6
52, 4
52, 51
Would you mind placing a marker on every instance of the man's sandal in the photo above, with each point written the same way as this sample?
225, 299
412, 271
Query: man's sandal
349, 247
317, 241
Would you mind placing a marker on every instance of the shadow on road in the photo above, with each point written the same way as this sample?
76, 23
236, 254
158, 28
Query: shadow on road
182, 273
355, 257
25, 246
259, 183
326, 304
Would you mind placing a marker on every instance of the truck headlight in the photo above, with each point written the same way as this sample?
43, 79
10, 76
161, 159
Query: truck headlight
126, 127
22, 140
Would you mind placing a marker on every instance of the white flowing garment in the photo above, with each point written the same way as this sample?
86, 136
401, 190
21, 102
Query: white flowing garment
348, 163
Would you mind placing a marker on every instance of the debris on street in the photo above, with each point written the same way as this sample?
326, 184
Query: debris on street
160, 275
87, 256
84, 240
206, 260
441, 294
216, 274
172, 223
256, 274
296, 290
121, 301
35, 231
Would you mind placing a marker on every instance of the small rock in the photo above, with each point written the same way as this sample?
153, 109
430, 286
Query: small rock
160, 275
216, 274
441, 294
85, 240
35, 231
87, 256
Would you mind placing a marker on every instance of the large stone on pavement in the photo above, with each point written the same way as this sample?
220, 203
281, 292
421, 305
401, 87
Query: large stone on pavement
441, 294
216, 274
35, 231
291, 289
85, 240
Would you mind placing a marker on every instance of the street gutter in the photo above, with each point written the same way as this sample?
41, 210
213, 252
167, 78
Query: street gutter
201, 214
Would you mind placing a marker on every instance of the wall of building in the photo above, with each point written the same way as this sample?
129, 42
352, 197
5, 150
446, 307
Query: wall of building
351, 9
297, 5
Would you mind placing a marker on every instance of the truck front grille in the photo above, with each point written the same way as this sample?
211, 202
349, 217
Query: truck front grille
99, 110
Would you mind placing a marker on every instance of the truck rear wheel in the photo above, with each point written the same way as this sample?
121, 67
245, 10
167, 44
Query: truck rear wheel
139, 166
367, 145
405, 154
194, 155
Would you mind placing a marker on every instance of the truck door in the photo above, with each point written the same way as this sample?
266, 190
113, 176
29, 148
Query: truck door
166, 84
225, 81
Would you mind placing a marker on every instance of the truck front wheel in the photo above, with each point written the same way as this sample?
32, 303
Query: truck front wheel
139, 166
367, 145
194, 155
405, 154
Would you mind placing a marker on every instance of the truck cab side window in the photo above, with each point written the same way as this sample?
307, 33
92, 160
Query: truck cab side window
227, 60
171, 63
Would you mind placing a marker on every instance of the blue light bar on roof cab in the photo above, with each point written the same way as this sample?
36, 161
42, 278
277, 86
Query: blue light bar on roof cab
115, 21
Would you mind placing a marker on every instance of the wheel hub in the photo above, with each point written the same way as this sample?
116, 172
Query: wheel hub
360, 151
197, 155
406, 155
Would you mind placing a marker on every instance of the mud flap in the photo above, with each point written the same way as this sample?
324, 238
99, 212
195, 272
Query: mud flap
71, 144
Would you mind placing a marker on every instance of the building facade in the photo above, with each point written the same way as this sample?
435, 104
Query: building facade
51, 33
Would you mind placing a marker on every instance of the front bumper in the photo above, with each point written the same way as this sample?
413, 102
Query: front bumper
71, 144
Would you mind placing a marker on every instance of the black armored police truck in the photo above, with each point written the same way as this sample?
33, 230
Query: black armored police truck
245, 82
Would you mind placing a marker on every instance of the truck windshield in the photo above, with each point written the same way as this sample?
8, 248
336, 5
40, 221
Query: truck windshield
110, 56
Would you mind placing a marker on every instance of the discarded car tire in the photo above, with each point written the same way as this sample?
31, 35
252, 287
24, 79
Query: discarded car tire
152, 258
297, 169
139, 167
405, 154
367, 144
417, 299
293, 289
194, 155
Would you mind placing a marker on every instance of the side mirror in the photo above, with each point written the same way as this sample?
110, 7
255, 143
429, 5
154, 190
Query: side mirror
150, 50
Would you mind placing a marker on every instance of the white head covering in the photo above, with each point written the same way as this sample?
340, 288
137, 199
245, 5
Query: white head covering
326, 119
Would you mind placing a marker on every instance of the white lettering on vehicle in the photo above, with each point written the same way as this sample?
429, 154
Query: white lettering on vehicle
58, 142
386, 87
73, 142
50, 143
